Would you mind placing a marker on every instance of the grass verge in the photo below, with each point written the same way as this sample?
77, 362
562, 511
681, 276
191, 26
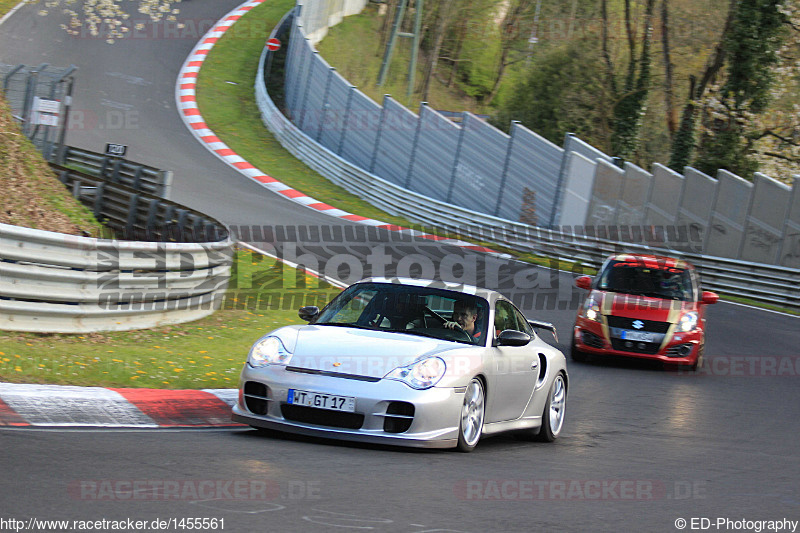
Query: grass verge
207, 353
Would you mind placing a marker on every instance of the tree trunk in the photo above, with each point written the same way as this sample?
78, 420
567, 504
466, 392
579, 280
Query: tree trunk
438, 39
669, 86
612, 83
683, 141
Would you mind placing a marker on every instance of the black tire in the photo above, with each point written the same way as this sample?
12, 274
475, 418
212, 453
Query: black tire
556, 404
470, 425
577, 355
699, 363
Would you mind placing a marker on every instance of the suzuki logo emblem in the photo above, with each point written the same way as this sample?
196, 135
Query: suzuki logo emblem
638, 324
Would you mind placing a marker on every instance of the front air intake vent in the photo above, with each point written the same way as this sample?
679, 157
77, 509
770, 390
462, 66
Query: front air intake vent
256, 397
399, 416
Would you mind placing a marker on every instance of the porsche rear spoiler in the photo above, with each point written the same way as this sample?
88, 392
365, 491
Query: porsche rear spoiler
538, 324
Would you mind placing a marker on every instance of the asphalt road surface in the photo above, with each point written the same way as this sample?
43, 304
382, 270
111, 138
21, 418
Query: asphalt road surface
641, 448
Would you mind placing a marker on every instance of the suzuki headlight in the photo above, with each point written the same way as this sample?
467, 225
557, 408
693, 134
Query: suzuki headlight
268, 351
688, 322
591, 309
422, 374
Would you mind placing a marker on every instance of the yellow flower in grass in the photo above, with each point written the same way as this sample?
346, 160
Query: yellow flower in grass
177, 369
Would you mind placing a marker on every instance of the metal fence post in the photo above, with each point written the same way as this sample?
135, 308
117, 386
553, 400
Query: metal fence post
308, 86
457, 157
412, 158
325, 104
562, 175
66, 106
506, 163
378, 134
346, 118
302, 50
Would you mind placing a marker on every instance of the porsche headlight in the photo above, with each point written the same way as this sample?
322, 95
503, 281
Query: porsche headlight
688, 322
422, 374
591, 309
268, 351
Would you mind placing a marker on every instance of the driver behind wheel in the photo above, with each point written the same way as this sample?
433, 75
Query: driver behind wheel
464, 316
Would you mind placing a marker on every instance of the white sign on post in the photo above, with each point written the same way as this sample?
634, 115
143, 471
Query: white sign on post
45, 111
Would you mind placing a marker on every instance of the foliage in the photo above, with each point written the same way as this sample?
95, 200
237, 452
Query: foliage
557, 93
736, 88
629, 105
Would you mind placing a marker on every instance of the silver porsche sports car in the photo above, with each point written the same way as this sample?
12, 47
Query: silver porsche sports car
407, 362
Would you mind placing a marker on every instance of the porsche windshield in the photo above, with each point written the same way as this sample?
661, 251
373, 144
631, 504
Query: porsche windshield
422, 311
635, 277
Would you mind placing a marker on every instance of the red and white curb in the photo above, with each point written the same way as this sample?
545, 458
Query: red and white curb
186, 98
24, 405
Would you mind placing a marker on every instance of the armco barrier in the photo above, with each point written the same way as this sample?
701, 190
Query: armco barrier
51, 282
764, 283
137, 215
57, 283
140, 177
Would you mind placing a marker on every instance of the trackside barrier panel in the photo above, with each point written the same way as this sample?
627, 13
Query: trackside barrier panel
519, 177
421, 197
765, 283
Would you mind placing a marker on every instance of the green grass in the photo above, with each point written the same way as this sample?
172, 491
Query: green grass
207, 353
6, 5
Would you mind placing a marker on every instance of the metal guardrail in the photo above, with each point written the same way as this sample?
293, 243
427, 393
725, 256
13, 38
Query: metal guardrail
769, 284
140, 177
176, 270
136, 215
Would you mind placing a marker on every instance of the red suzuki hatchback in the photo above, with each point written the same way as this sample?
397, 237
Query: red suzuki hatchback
643, 306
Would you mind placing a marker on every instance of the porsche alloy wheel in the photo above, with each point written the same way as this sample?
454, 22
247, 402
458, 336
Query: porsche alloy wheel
554, 410
472, 411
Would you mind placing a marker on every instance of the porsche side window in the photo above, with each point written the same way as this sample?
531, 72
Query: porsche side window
522, 322
504, 317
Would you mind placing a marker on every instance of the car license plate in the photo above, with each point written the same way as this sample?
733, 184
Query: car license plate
321, 401
639, 336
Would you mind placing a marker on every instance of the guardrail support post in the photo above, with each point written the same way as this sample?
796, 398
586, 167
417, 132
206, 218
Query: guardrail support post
98, 201
131, 221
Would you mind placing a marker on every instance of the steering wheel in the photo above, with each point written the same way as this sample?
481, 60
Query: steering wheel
459, 329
